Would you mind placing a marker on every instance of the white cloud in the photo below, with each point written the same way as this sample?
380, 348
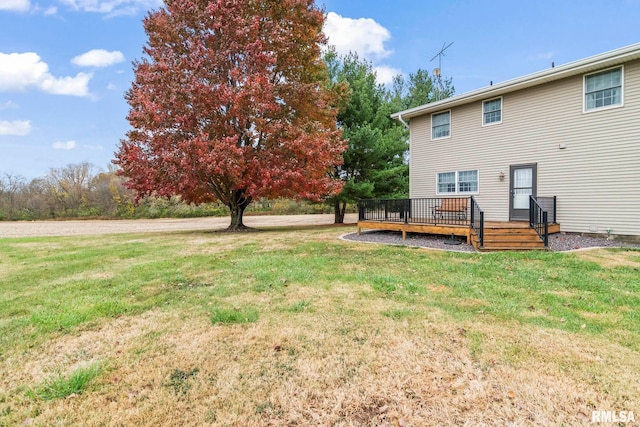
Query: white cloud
15, 5
26, 6
8, 105
52, 10
16, 127
98, 58
385, 75
64, 145
76, 86
20, 71
363, 36
112, 7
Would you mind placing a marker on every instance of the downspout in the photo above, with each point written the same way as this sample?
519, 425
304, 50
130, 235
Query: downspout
406, 125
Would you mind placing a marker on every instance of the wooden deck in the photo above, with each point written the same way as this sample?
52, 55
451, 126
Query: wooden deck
454, 216
497, 235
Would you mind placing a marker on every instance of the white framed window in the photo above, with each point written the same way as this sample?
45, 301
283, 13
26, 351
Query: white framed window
492, 112
604, 89
441, 125
458, 182
447, 183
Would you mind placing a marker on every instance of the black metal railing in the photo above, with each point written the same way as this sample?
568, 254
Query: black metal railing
436, 210
477, 220
549, 204
393, 210
539, 220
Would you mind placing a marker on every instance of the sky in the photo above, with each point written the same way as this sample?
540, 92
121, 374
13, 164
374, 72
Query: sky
65, 65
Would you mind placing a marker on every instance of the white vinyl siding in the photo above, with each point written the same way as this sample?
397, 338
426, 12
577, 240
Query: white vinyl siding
599, 149
603, 89
492, 112
441, 125
459, 182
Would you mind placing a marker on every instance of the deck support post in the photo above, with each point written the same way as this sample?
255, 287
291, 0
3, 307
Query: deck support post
481, 229
545, 219
405, 210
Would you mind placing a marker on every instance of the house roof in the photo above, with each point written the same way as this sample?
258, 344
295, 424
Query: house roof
583, 66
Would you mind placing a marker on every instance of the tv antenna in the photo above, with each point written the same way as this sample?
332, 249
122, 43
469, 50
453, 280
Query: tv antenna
437, 72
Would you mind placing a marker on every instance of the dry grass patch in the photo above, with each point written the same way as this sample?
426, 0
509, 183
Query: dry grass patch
65, 353
437, 288
39, 246
598, 363
96, 275
209, 244
612, 258
328, 370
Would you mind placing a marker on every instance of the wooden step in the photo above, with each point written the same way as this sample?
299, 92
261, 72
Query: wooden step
511, 248
489, 242
510, 231
505, 238
512, 237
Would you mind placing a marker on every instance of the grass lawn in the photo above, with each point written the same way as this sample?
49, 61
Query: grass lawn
292, 326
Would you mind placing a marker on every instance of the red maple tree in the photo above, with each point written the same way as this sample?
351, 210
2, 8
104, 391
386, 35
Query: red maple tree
232, 102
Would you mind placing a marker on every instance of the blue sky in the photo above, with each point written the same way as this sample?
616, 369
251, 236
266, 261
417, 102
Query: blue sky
65, 64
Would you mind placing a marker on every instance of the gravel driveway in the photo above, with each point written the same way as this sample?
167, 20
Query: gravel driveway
96, 227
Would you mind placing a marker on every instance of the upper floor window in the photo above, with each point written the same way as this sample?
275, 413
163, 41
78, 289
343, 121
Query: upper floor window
603, 89
492, 111
441, 125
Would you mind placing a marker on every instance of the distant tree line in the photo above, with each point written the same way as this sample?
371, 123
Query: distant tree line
73, 191
83, 191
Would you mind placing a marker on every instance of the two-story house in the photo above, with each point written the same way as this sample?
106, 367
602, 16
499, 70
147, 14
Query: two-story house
571, 131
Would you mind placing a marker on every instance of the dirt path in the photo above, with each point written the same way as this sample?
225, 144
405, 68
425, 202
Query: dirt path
96, 227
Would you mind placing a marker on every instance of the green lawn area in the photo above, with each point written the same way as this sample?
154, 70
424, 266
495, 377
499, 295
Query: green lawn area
292, 326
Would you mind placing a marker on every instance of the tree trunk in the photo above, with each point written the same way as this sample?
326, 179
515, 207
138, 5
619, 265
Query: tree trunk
339, 211
237, 205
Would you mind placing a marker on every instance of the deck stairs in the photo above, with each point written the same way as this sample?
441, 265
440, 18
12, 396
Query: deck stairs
508, 236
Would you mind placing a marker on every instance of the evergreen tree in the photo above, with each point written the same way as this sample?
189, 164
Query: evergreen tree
375, 161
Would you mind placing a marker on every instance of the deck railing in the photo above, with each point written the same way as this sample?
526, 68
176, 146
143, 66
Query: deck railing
391, 210
477, 220
549, 204
539, 219
436, 210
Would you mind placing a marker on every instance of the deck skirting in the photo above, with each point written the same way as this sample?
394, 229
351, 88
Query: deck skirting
456, 230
